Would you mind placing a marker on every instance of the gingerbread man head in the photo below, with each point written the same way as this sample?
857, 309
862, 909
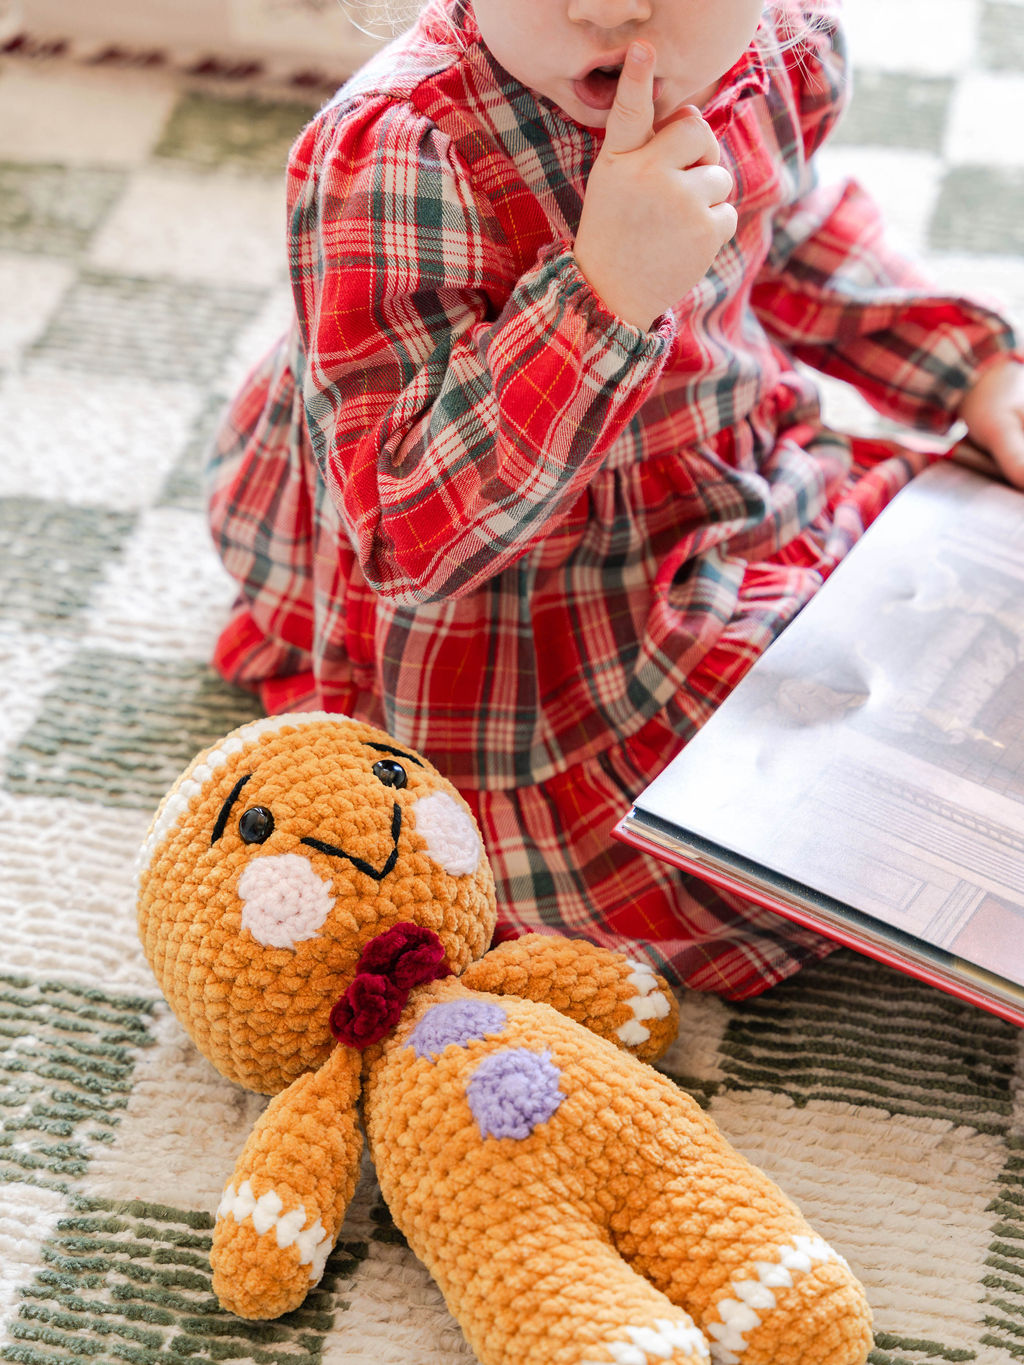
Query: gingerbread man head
276, 858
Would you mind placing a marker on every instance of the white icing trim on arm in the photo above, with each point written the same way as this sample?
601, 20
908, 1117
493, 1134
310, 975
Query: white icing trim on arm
648, 1003
314, 1246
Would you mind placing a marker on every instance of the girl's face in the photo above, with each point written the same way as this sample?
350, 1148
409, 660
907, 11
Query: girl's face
557, 47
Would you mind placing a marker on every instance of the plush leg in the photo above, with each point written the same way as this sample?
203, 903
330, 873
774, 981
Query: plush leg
765, 1289
553, 1291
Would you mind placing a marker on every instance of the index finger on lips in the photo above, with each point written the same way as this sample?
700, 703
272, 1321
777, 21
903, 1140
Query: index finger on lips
631, 118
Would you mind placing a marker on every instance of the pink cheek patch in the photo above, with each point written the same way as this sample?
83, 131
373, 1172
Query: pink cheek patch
453, 841
284, 901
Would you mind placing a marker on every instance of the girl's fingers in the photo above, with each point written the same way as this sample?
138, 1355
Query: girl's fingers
726, 220
687, 139
713, 184
1006, 444
631, 118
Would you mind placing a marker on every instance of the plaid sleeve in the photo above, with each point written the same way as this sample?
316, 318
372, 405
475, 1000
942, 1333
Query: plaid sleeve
840, 298
456, 412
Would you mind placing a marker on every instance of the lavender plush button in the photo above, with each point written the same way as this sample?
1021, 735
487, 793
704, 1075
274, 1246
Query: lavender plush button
458, 1021
513, 1091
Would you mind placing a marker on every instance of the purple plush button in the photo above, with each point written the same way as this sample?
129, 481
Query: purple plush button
459, 1021
513, 1091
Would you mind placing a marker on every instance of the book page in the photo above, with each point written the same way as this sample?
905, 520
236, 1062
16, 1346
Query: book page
876, 751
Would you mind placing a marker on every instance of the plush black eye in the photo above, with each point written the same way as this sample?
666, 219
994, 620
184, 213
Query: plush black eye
389, 772
256, 825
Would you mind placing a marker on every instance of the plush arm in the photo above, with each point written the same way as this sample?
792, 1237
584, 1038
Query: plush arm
282, 1212
616, 997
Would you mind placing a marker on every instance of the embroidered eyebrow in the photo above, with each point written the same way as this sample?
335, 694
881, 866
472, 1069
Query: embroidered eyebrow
225, 810
388, 749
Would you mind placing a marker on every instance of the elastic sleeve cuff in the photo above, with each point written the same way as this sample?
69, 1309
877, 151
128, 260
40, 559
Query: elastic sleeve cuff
557, 270
993, 347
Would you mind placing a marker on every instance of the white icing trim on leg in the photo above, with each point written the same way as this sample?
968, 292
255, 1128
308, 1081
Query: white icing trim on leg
660, 1341
314, 1246
752, 1297
198, 773
648, 1003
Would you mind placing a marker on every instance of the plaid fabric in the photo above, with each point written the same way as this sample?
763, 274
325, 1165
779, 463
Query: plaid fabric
465, 502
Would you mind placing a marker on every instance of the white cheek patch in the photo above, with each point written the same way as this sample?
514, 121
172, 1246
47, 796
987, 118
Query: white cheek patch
453, 840
284, 901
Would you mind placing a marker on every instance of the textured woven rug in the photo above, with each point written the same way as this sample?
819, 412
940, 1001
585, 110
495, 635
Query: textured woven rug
141, 272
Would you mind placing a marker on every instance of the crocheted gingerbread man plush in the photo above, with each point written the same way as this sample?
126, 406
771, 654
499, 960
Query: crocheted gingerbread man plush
317, 907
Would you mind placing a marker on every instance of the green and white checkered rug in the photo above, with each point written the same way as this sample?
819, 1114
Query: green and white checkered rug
141, 271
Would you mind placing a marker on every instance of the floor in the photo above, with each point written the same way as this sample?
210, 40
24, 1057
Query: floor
141, 273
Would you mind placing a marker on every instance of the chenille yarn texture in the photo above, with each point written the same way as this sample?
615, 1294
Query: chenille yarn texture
575, 1207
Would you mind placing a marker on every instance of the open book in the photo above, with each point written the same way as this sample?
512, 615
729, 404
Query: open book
866, 777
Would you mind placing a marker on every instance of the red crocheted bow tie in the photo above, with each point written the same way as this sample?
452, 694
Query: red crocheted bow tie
390, 965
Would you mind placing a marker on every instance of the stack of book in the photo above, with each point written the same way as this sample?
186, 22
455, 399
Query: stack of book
866, 778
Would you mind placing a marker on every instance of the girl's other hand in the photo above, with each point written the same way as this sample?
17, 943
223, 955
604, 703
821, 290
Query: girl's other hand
655, 213
994, 413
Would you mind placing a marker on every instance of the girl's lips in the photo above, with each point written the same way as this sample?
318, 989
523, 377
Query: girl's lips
597, 91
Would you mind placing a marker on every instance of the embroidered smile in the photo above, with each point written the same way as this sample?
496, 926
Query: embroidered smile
256, 825
333, 851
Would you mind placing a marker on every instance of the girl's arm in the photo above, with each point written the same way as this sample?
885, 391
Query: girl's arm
838, 297
456, 413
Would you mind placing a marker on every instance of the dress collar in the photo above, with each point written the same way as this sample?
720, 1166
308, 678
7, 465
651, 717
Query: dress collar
446, 20
747, 76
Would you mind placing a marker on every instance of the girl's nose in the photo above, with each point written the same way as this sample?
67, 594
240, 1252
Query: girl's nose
609, 14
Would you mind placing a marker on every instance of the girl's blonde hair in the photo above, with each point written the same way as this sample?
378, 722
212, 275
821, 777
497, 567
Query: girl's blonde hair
382, 18
387, 18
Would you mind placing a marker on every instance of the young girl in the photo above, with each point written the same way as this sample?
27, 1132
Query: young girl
534, 478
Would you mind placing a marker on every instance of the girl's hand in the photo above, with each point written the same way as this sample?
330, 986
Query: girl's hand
994, 413
654, 214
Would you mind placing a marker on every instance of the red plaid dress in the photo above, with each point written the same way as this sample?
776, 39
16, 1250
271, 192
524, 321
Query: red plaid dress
466, 503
